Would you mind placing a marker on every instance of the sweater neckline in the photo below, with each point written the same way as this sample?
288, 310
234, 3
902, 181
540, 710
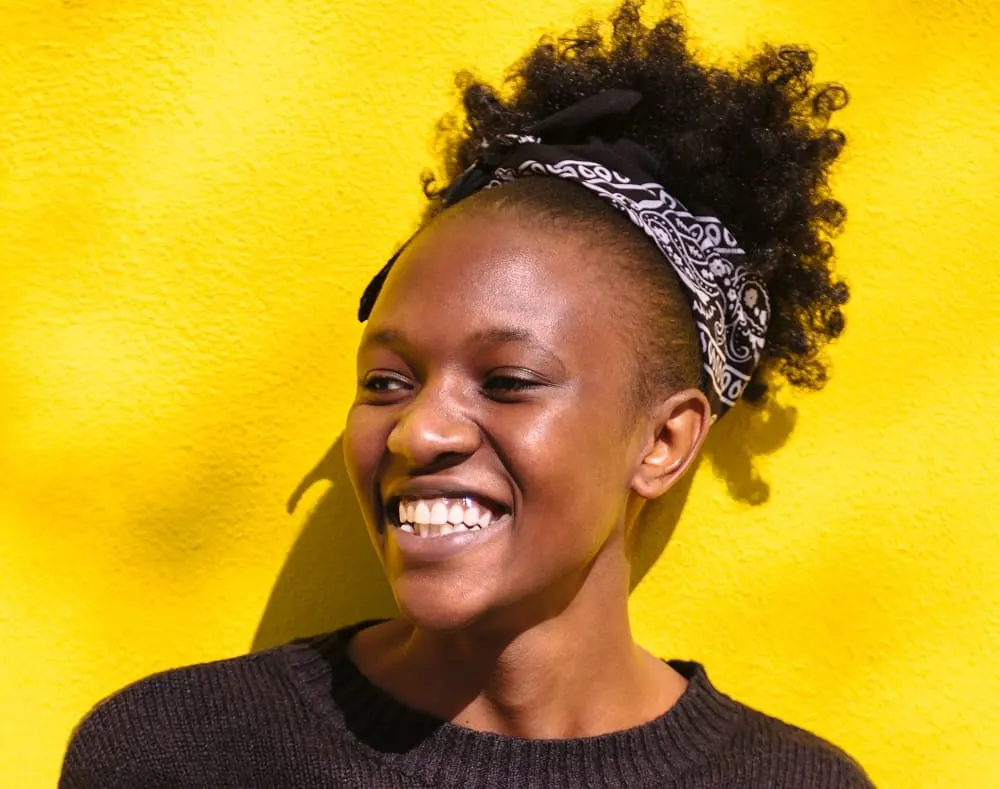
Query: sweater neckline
439, 753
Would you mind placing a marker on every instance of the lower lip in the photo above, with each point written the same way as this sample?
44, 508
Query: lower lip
435, 549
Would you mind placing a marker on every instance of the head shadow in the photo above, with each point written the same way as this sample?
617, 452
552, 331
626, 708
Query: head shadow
746, 432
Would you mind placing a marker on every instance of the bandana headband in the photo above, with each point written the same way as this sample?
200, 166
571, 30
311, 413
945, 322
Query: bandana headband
729, 305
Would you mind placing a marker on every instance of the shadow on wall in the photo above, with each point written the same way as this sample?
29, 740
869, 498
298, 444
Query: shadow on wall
748, 432
332, 576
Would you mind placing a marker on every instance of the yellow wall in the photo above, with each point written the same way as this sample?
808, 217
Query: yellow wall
187, 215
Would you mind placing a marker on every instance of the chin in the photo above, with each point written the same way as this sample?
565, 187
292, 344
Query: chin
438, 607
434, 617
434, 609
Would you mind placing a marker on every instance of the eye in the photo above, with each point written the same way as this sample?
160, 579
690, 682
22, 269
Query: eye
380, 383
508, 385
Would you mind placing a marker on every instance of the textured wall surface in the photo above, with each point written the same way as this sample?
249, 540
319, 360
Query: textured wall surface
191, 197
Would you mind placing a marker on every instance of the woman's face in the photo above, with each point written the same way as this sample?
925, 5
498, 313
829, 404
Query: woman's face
494, 393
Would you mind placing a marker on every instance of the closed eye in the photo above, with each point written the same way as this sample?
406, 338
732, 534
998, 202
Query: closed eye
509, 383
508, 386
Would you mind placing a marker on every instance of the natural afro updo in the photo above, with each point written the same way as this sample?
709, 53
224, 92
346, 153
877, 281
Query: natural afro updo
750, 143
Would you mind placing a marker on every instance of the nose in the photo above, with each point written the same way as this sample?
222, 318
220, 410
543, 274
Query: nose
433, 430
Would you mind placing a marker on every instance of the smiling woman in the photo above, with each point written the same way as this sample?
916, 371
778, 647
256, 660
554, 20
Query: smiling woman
628, 244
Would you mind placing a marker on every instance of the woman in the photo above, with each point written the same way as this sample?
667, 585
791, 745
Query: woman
628, 243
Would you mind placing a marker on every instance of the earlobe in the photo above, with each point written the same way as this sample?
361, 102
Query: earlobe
679, 428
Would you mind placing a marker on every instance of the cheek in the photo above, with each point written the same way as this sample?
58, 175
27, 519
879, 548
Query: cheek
572, 470
362, 444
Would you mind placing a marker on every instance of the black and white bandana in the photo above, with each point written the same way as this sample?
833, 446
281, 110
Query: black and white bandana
729, 305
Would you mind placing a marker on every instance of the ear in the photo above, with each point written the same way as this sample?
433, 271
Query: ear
676, 432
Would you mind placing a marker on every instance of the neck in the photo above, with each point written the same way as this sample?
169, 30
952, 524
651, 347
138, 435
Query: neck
577, 674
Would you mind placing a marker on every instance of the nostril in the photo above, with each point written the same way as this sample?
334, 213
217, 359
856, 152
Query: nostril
431, 439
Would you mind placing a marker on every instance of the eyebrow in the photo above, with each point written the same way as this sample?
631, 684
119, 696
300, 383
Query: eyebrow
498, 335
502, 335
388, 337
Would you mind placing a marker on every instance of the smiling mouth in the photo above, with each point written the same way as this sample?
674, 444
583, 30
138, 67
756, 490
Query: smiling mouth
439, 517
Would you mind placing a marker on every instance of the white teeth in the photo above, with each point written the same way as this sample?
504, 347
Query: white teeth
421, 513
439, 513
440, 517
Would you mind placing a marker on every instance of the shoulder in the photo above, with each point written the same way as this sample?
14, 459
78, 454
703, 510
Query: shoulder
766, 751
153, 730
788, 751
196, 693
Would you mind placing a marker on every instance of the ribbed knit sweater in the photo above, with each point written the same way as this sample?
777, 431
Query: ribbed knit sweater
303, 715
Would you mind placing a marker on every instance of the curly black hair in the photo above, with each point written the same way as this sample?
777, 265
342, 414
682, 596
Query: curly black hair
751, 143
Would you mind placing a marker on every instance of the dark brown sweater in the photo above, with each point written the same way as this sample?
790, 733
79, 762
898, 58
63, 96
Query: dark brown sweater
302, 715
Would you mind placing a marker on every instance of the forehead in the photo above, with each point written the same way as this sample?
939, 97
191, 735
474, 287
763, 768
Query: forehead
475, 272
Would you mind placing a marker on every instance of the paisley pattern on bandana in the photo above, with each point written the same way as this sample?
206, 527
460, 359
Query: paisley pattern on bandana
729, 305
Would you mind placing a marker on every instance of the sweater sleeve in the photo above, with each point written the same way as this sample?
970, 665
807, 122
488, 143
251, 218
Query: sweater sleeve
76, 772
200, 725
97, 756
140, 736
791, 758
842, 772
